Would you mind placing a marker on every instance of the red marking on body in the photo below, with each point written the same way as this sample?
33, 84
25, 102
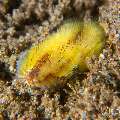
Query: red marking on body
36, 69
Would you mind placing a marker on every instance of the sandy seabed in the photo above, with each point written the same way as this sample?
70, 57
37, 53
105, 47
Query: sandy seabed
94, 95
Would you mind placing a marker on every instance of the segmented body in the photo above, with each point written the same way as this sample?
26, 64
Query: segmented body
55, 57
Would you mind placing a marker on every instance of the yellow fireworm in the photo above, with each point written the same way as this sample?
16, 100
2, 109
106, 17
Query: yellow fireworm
49, 62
